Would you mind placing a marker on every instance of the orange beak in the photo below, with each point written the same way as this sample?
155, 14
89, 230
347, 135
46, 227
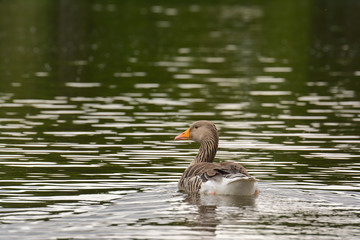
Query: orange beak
184, 136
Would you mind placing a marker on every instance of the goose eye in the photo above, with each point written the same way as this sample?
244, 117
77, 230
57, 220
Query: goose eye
196, 127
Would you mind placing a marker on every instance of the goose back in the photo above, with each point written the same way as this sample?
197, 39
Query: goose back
197, 174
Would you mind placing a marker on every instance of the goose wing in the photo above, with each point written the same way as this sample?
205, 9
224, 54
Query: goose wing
197, 174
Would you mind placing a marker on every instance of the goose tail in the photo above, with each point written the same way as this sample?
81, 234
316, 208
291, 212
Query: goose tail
244, 185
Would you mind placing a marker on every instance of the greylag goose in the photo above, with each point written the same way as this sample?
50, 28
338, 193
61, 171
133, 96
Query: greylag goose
205, 176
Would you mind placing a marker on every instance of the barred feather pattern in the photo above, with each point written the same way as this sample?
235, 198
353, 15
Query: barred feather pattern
197, 174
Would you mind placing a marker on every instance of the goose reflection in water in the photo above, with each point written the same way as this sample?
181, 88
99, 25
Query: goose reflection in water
209, 209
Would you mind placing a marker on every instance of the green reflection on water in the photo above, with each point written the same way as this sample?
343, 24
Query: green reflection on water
93, 92
308, 45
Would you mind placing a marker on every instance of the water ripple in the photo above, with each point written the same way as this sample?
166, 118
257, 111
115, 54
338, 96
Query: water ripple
89, 118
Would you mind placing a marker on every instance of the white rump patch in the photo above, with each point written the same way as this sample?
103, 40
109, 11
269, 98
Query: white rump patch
230, 186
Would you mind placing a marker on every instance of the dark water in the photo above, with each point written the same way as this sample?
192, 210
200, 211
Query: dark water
92, 94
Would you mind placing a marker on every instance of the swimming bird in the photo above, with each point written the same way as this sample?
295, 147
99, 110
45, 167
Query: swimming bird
205, 176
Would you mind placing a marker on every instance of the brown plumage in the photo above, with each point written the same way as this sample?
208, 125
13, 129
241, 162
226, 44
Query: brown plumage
219, 177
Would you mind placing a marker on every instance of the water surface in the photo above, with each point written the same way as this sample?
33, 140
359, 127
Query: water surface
92, 95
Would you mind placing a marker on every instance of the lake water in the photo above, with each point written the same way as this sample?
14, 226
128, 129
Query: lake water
92, 94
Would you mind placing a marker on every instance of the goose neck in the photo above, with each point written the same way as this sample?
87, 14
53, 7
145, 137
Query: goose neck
207, 151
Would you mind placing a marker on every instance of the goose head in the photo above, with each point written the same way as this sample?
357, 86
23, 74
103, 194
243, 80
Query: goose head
205, 133
200, 131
